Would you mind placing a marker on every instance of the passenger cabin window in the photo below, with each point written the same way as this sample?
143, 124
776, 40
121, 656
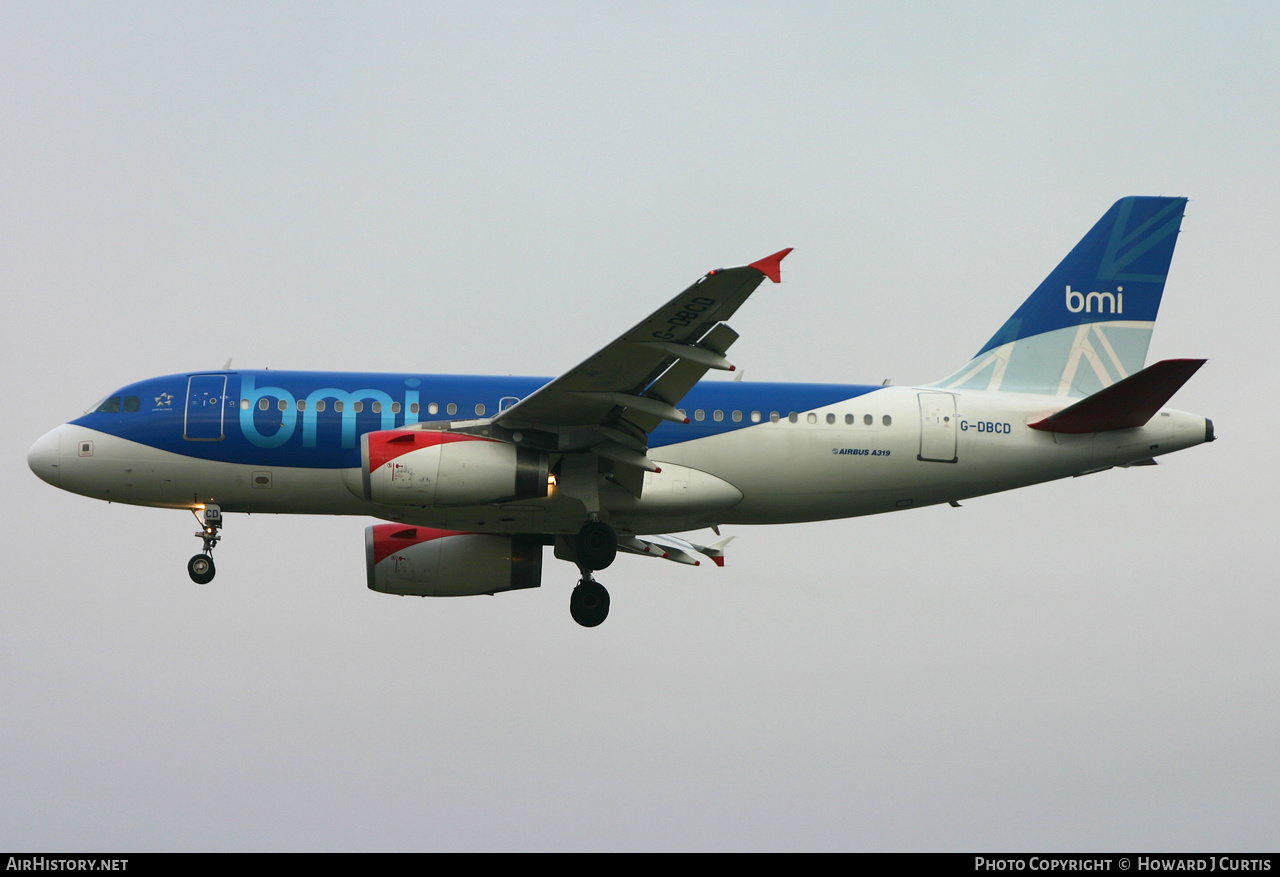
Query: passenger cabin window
320, 403
717, 415
337, 405
263, 404
848, 419
479, 409
888, 421
699, 414
868, 419
451, 408
357, 407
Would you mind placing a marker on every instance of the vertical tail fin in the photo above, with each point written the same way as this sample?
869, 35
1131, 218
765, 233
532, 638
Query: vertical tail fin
1089, 323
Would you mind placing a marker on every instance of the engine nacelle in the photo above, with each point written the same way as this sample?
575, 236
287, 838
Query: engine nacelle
437, 469
426, 562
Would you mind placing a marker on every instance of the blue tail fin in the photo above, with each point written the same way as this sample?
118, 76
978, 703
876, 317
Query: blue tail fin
1089, 323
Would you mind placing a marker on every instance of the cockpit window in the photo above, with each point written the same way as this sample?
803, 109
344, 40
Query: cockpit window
132, 403
110, 405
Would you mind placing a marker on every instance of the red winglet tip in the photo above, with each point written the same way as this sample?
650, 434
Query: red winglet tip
771, 266
718, 561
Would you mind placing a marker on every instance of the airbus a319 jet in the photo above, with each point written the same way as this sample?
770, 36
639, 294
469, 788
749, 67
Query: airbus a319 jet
476, 476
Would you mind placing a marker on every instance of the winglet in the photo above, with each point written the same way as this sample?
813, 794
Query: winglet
716, 551
771, 266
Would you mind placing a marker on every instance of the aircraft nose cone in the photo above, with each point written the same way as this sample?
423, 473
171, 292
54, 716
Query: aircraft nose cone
43, 458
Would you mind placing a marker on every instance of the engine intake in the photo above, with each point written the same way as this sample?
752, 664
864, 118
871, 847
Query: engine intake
426, 562
434, 469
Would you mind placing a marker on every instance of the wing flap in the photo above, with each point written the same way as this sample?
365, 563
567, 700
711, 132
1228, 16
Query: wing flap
646, 548
698, 353
683, 374
674, 548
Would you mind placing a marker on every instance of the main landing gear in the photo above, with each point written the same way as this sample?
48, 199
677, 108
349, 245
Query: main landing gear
200, 567
595, 546
589, 602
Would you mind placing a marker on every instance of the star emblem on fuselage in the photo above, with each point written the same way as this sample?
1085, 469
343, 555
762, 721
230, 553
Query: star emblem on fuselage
164, 399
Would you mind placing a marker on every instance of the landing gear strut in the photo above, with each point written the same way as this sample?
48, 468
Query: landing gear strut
595, 547
589, 603
200, 567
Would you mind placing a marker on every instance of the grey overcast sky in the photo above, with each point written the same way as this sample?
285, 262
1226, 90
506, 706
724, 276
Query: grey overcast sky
502, 188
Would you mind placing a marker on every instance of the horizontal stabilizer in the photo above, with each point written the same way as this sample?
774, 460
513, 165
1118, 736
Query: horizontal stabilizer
1126, 404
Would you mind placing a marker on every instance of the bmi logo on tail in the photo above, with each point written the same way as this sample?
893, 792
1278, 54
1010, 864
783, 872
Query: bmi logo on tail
1078, 301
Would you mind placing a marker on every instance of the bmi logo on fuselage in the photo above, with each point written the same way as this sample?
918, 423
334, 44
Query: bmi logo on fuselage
1080, 301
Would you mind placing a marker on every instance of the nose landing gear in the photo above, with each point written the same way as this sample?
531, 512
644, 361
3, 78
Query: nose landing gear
200, 567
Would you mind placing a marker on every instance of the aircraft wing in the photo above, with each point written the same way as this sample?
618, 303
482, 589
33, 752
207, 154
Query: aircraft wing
611, 401
674, 548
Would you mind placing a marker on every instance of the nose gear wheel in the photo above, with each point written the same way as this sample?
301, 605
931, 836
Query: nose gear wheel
201, 569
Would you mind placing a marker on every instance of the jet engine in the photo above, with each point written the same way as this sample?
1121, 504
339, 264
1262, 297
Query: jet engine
426, 562
434, 469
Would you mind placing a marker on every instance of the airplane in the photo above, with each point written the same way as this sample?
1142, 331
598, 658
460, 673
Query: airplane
475, 476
